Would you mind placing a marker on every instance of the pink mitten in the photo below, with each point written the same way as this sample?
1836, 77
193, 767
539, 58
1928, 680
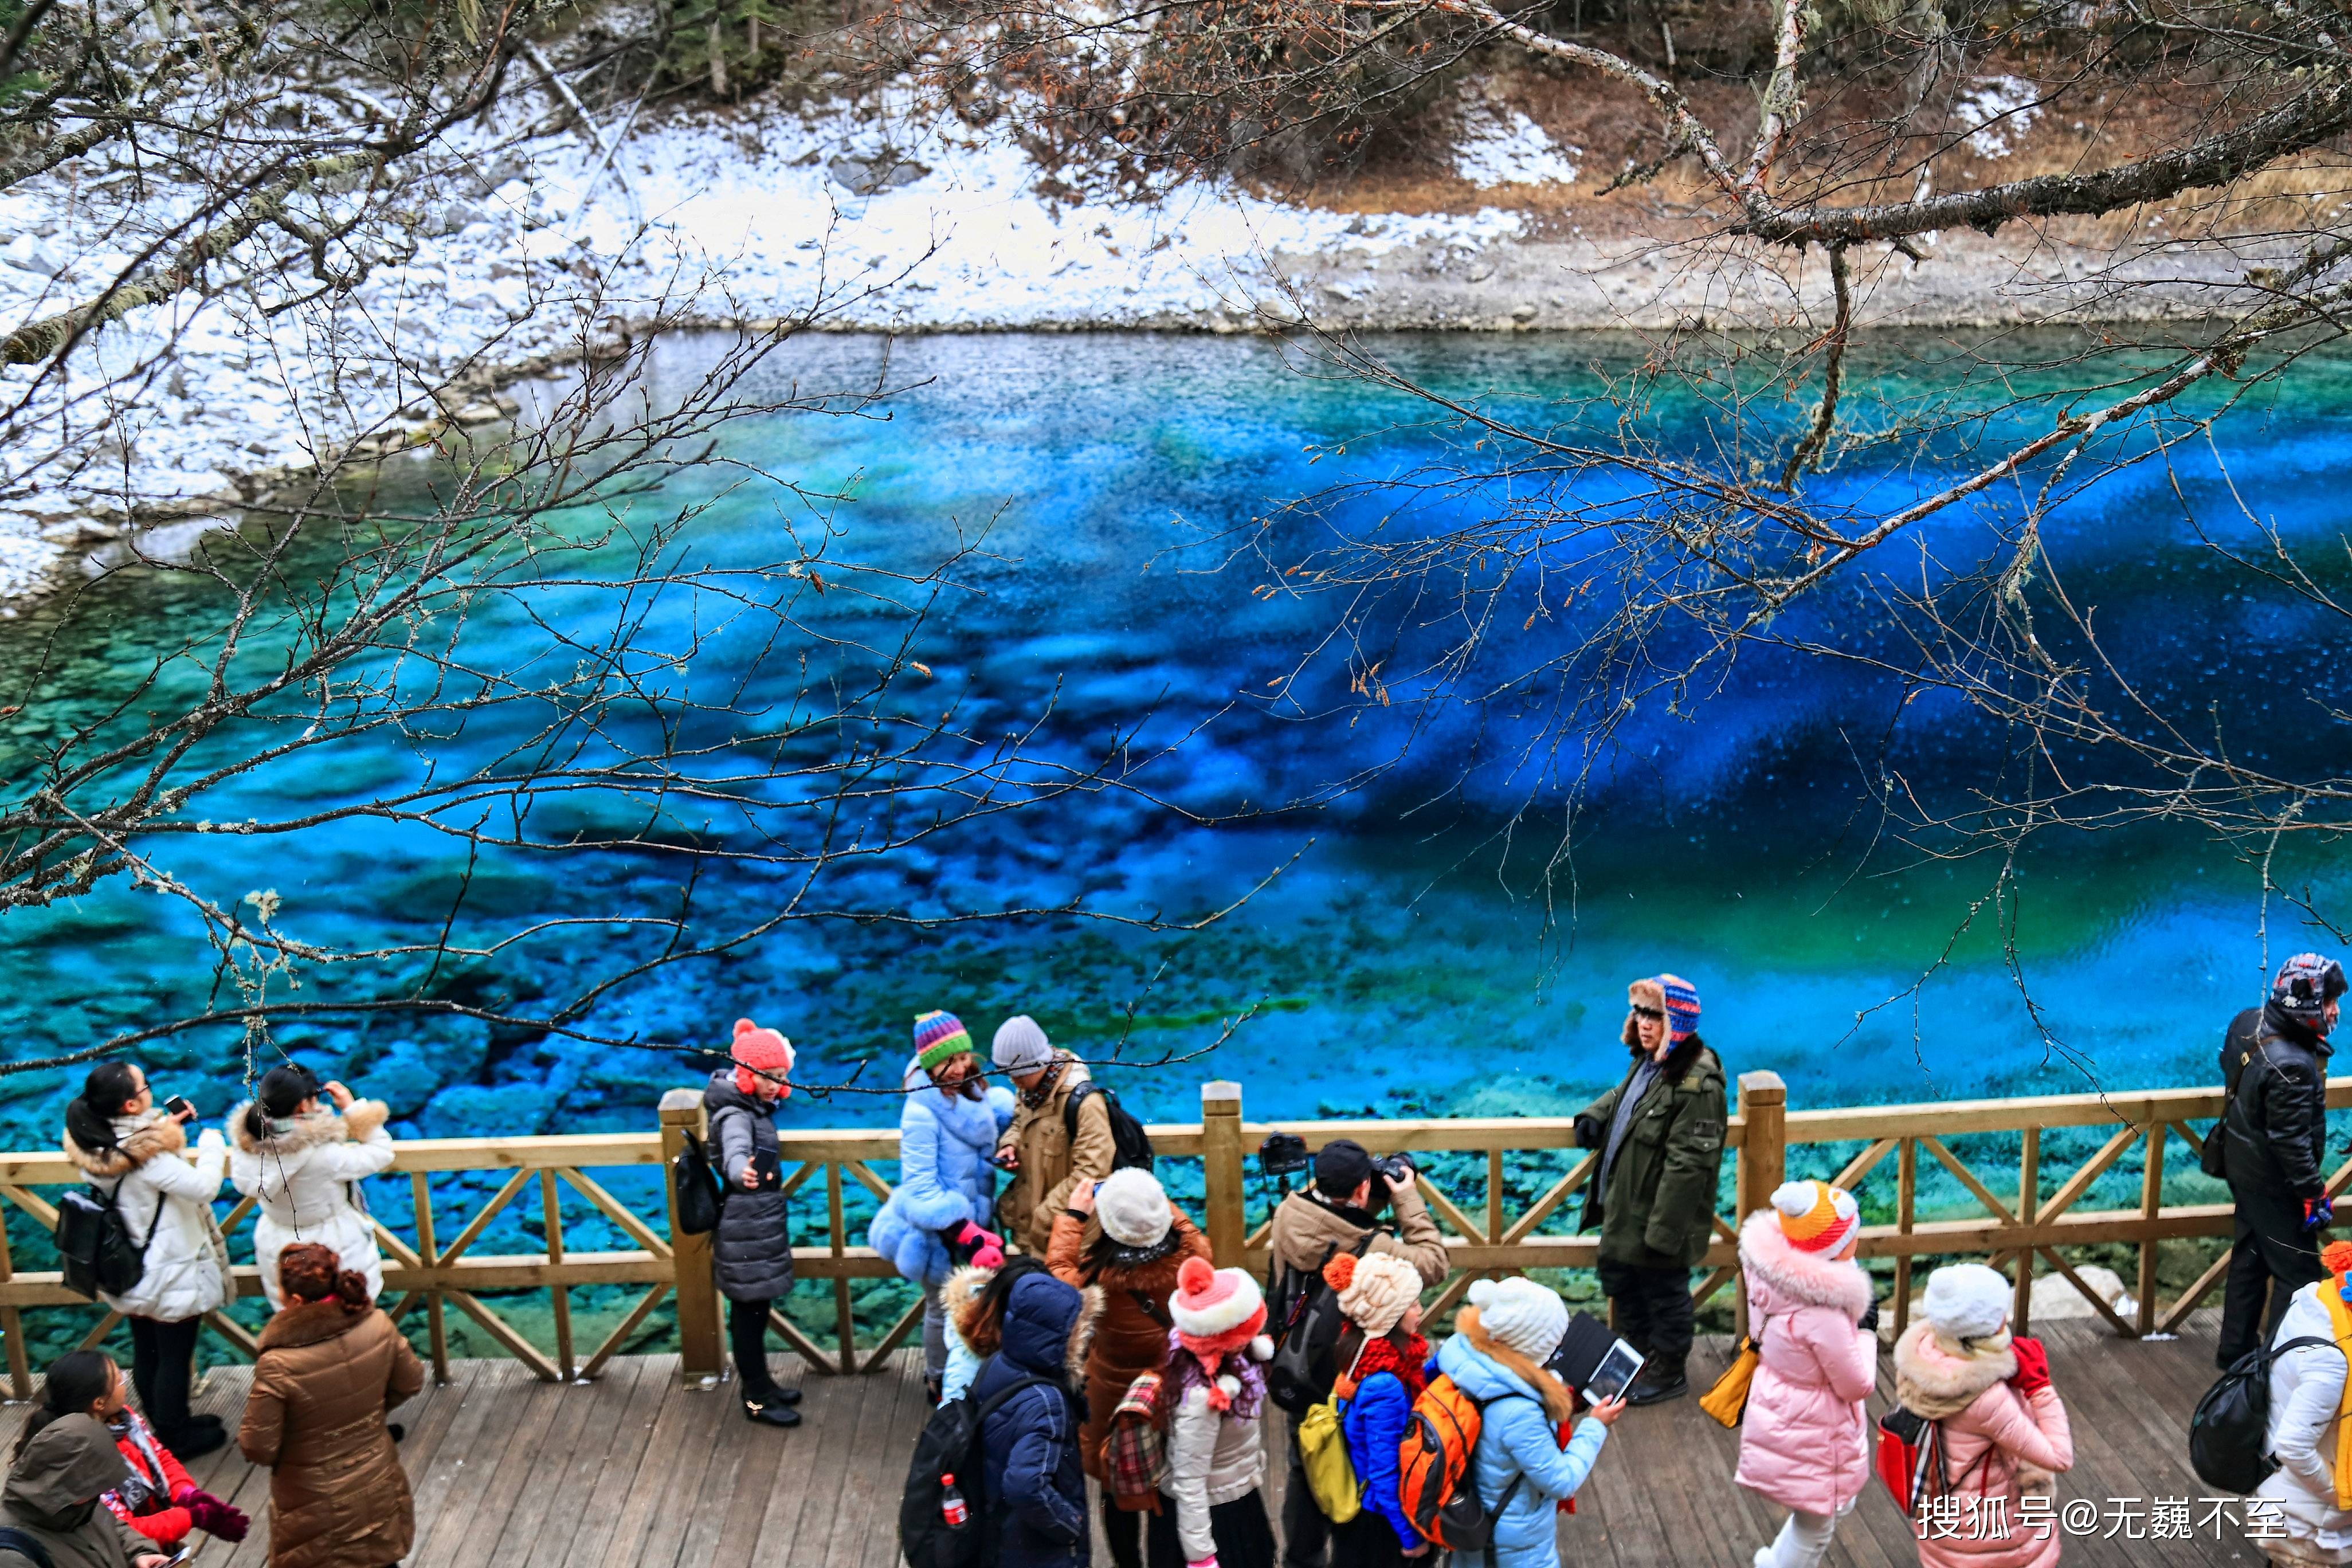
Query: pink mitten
982, 1248
213, 1517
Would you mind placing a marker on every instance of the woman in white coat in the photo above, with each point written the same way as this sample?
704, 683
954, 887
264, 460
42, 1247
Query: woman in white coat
125, 1147
2306, 1406
302, 1163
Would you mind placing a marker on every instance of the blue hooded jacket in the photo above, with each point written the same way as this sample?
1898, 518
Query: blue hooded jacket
944, 1175
1374, 1422
1033, 1486
1517, 1441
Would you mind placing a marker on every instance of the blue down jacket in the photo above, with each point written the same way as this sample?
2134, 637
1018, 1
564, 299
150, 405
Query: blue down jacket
1034, 1488
1374, 1422
1516, 1440
944, 1176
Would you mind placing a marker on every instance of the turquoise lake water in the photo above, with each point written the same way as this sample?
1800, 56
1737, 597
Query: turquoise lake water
1402, 962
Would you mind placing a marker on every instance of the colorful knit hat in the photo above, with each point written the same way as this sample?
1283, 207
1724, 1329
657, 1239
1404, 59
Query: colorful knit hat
2306, 983
1682, 1006
1816, 1217
2336, 1258
759, 1054
1375, 1291
938, 1036
1215, 1310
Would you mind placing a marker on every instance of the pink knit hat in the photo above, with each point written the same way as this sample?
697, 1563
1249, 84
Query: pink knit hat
759, 1052
1215, 1310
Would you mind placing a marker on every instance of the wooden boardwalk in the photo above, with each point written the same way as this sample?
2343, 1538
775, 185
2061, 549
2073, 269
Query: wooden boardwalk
632, 1471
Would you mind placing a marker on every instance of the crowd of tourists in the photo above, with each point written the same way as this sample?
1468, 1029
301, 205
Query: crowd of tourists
1078, 1336
98, 1481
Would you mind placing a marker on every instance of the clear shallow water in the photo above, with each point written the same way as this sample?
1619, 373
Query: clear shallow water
1402, 962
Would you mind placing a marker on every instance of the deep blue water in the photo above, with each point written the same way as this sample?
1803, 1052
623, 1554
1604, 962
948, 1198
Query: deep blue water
1410, 955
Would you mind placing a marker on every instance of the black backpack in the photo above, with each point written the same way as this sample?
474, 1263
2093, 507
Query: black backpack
2229, 1432
950, 1446
1132, 1143
25, 1547
94, 1244
1301, 1373
699, 1195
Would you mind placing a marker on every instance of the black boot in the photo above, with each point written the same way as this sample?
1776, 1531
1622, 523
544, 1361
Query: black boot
195, 1439
1657, 1385
772, 1409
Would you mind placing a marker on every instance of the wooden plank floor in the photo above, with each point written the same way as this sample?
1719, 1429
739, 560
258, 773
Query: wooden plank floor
634, 1472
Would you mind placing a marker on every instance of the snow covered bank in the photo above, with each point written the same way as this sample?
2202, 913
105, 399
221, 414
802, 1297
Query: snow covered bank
857, 218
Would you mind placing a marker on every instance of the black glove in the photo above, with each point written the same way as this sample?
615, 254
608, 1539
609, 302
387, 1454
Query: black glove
1587, 1132
1869, 1323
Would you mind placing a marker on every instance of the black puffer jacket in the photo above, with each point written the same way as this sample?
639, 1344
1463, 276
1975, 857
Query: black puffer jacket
751, 1254
2276, 1126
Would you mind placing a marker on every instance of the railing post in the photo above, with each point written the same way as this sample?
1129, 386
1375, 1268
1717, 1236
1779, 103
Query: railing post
1762, 1165
1763, 1146
1220, 1160
2151, 1205
698, 1358
2028, 1214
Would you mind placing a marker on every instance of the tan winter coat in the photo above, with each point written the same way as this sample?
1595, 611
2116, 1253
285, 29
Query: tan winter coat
1050, 1161
314, 1418
1306, 1228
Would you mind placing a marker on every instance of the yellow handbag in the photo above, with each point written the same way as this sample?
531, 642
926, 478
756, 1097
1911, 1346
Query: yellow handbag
1728, 1400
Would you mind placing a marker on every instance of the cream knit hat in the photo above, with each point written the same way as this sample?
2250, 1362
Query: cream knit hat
1133, 1207
1966, 1301
1379, 1288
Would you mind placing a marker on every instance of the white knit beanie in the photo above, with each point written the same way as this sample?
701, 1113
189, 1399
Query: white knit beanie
1966, 1301
1021, 1046
1133, 1208
1522, 1314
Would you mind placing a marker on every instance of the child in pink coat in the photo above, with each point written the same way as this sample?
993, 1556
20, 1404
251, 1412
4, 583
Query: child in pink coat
2005, 1434
1802, 1443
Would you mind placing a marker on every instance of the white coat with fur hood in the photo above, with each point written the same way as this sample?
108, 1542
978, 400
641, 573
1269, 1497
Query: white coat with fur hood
306, 1180
167, 1201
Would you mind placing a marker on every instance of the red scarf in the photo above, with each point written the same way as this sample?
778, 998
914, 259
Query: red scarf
1408, 1362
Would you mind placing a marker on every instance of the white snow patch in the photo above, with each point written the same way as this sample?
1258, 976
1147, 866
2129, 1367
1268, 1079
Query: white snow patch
1501, 146
880, 217
2002, 109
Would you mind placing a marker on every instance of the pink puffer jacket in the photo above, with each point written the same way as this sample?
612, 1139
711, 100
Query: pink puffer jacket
1800, 1443
1998, 1444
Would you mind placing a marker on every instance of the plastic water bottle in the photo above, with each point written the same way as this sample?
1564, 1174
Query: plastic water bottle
952, 1508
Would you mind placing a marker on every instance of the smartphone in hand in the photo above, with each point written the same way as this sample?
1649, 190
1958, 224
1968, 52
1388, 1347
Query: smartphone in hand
770, 1168
180, 1106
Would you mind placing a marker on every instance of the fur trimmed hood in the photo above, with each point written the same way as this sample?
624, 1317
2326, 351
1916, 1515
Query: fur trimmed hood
961, 1289
363, 1117
1082, 1333
1807, 1278
985, 1337
163, 1135
1936, 1381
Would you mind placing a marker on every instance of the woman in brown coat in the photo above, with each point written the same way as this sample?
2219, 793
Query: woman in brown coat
1125, 1236
331, 1365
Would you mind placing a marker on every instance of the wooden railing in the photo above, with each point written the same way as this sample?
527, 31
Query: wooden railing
1488, 1233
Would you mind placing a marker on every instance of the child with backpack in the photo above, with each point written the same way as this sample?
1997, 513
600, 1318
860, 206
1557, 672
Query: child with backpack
1212, 1391
1804, 1441
2002, 1431
1521, 1472
1383, 1360
2306, 1432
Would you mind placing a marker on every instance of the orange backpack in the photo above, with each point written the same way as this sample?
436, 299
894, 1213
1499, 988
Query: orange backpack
1435, 1481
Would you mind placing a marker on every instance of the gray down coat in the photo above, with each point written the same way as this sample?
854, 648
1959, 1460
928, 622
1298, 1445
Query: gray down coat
751, 1252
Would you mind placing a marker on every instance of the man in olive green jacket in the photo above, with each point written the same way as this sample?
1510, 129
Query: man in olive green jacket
1660, 1134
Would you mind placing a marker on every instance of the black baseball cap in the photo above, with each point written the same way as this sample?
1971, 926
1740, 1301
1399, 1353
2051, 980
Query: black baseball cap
1342, 1167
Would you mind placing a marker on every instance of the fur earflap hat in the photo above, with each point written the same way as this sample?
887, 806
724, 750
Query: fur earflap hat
1375, 1291
1133, 1208
760, 1053
1816, 1217
1215, 1310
